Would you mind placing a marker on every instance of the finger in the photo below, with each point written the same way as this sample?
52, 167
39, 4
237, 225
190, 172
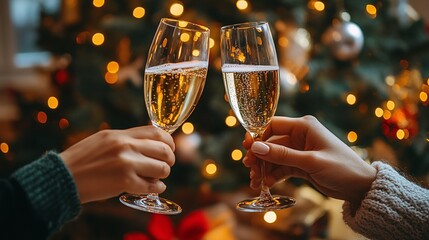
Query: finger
286, 125
281, 155
249, 160
156, 150
151, 168
146, 185
152, 132
247, 141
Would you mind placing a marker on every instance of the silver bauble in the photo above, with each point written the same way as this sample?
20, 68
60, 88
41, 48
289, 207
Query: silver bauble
344, 39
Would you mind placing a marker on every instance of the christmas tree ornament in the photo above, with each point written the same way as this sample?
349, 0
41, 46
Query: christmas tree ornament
344, 38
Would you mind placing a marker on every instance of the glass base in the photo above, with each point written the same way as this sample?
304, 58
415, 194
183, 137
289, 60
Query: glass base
265, 204
149, 203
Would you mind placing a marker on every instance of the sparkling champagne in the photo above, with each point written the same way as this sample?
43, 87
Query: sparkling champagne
172, 92
253, 92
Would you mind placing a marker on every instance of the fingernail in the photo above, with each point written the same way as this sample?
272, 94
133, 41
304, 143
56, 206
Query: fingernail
260, 148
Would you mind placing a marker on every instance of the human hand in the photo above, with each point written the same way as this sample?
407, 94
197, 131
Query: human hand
304, 148
111, 162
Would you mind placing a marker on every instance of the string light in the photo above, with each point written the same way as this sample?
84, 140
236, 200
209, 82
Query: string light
209, 169
113, 67
98, 3
351, 99
42, 117
352, 136
98, 39
111, 78
316, 5
400, 134
387, 114
242, 4
378, 112
176, 9
187, 128
371, 10
4, 147
283, 42
53, 102
390, 80
139, 12
63, 123
390, 105
270, 217
423, 96
231, 121
236, 154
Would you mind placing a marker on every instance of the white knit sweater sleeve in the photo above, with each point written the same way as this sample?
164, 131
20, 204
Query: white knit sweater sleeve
394, 208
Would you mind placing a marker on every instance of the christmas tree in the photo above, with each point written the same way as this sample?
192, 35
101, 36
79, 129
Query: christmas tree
360, 67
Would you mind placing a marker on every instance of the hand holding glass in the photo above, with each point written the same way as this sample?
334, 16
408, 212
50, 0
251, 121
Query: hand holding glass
174, 79
251, 78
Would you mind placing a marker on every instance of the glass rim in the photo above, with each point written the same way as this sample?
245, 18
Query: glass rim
198, 27
244, 25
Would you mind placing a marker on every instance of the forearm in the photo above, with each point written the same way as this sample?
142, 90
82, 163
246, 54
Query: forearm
394, 208
49, 191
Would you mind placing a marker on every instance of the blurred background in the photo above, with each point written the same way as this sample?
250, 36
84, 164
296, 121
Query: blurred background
69, 68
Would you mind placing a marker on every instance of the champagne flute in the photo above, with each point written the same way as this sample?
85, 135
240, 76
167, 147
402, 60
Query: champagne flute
174, 78
251, 78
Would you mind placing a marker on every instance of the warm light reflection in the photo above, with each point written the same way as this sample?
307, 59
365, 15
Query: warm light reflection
211, 42
53, 102
139, 12
187, 128
176, 9
211, 168
236, 155
184, 37
98, 39
4, 147
195, 52
270, 217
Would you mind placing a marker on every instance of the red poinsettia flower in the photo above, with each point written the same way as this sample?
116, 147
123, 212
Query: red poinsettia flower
160, 227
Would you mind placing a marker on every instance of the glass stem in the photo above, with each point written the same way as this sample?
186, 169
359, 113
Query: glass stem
153, 197
265, 191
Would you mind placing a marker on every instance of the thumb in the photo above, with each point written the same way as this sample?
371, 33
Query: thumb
281, 155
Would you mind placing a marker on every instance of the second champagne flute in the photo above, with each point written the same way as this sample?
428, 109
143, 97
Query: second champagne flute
251, 78
174, 78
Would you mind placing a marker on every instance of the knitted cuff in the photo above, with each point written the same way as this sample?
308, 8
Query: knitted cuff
50, 189
394, 208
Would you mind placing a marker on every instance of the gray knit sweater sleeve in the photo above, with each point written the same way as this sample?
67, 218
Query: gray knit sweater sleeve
50, 189
394, 208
